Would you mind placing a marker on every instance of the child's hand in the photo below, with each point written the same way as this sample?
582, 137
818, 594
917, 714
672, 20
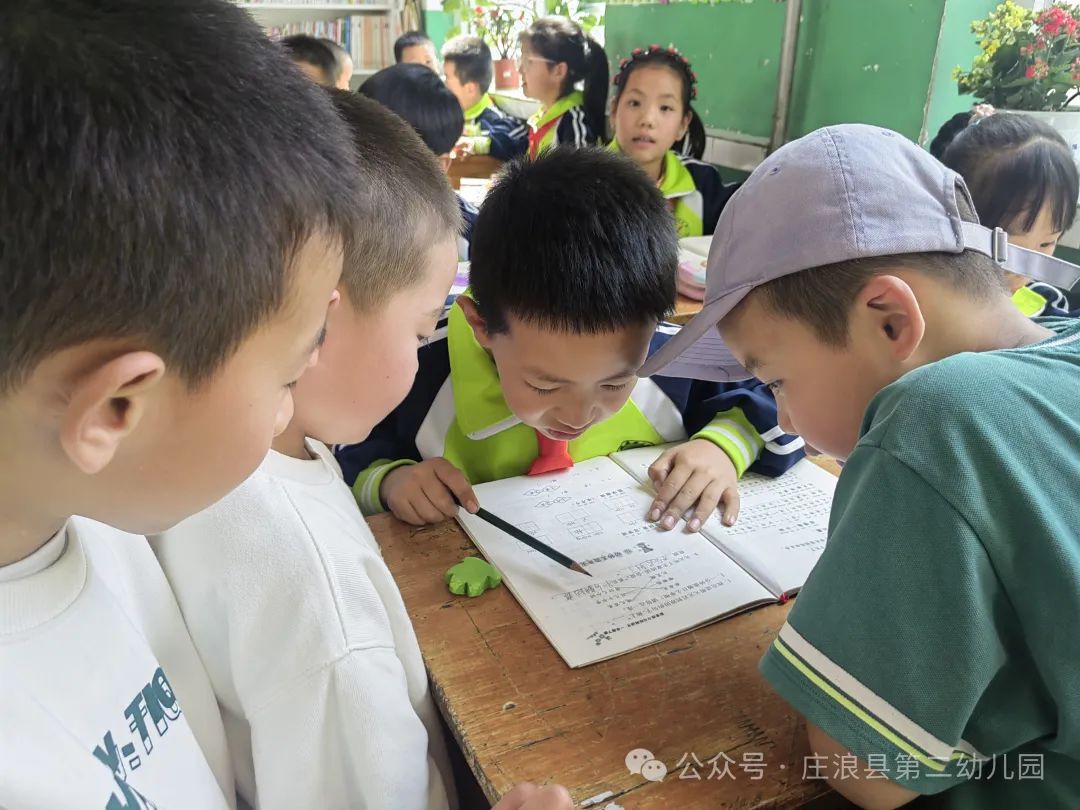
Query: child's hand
463, 148
695, 474
424, 493
531, 797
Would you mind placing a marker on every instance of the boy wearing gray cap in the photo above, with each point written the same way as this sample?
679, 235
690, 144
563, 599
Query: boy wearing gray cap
936, 638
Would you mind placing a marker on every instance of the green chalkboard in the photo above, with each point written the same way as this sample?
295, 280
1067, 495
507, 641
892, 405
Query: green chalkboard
734, 48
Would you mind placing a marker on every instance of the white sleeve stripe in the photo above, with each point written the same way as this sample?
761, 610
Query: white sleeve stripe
785, 449
869, 700
731, 432
772, 434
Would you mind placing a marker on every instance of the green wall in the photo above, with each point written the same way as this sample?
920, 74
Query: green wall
956, 47
731, 47
885, 62
864, 62
436, 24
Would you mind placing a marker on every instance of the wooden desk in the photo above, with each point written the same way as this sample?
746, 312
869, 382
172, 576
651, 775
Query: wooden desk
685, 309
481, 166
520, 714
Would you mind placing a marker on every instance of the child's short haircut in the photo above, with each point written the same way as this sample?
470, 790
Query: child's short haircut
408, 40
596, 260
406, 202
821, 297
471, 58
341, 56
1014, 165
315, 52
419, 96
144, 199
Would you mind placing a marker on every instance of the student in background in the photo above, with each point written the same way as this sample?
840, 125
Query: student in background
170, 242
319, 59
536, 366
955, 125
416, 48
344, 64
657, 127
488, 130
421, 98
556, 55
1023, 179
932, 647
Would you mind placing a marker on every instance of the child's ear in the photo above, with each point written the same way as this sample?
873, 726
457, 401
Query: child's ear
445, 161
104, 406
560, 72
685, 126
894, 315
476, 320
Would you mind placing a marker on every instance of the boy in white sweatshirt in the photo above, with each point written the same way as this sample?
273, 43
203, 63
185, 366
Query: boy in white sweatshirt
300, 625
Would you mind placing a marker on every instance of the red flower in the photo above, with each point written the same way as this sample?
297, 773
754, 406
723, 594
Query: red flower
1053, 20
1040, 70
479, 11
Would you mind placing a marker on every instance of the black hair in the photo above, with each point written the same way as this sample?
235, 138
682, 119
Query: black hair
949, 130
340, 55
405, 201
693, 143
562, 40
161, 165
595, 261
471, 58
419, 96
314, 52
822, 297
1014, 165
408, 40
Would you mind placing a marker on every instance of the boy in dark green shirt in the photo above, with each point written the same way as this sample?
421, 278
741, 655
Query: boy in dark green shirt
936, 639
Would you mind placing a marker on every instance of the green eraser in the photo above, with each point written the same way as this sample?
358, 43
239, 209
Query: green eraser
472, 576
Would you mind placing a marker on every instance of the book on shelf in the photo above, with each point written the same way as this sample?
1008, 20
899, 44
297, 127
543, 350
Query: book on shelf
366, 37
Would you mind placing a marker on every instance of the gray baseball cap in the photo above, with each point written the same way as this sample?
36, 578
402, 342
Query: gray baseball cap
840, 193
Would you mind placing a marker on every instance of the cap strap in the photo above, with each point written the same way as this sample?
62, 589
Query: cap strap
995, 244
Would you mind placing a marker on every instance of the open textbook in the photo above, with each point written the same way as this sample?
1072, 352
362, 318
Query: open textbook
647, 585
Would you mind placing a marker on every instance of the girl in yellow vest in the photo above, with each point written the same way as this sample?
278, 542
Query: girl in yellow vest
656, 126
555, 56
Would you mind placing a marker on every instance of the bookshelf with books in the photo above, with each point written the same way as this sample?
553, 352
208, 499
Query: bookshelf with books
366, 30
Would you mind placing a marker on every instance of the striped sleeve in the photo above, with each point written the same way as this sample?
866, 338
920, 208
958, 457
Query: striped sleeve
893, 642
741, 418
368, 483
573, 130
732, 432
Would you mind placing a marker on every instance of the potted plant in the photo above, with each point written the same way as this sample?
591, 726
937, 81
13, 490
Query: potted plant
499, 25
1028, 62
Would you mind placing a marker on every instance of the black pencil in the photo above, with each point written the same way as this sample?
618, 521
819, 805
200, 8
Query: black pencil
530, 541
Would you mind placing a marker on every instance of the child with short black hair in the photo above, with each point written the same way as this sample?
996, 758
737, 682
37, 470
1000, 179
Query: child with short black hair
170, 241
1023, 179
931, 649
488, 130
656, 125
555, 56
416, 48
322, 60
420, 97
535, 368
289, 603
